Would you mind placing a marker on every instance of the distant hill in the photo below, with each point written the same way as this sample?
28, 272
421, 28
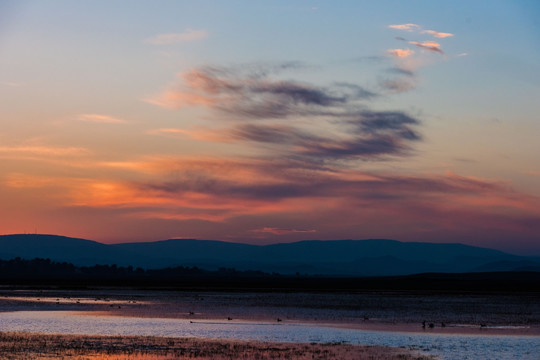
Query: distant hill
374, 257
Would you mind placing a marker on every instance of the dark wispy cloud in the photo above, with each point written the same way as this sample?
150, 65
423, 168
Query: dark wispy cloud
369, 134
398, 84
301, 119
251, 93
281, 180
276, 134
401, 71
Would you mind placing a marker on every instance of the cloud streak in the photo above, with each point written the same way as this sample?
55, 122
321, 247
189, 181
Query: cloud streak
419, 29
98, 118
437, 34
42, 150
428, 45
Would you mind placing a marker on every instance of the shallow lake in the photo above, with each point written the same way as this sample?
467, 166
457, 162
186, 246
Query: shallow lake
448, 347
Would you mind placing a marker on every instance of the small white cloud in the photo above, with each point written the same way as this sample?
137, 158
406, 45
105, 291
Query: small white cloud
406, 27
174, 38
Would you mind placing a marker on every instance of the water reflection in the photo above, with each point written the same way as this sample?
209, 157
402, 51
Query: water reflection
449, 347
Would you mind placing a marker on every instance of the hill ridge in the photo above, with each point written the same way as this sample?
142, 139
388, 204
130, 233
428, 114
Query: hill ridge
347, 257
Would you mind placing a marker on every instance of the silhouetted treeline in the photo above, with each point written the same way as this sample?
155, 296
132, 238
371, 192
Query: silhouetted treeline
44, 272
45, 268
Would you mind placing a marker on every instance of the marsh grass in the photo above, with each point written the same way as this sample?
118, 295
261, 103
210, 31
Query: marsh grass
18, 345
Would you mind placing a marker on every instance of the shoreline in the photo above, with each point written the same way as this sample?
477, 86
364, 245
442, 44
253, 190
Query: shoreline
17, 345
449, 329
402, 312
370, 325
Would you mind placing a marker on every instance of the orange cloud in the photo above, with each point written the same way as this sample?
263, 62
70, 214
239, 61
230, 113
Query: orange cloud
42, 150
100, 119
23, 181
174, 38
176, 215
401, 53
173, 99
238, 193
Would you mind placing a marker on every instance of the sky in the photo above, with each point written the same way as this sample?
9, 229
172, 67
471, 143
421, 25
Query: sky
272, 121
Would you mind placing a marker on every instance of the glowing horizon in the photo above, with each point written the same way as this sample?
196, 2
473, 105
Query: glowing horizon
271, 122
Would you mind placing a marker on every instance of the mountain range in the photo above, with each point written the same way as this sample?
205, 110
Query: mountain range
373, 257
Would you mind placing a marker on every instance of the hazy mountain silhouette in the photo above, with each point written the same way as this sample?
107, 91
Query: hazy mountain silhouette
338, 257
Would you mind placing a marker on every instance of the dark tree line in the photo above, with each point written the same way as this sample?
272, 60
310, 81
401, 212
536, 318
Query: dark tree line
39, 268
45, 272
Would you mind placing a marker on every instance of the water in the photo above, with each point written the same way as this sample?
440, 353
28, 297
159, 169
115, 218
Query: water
447, 347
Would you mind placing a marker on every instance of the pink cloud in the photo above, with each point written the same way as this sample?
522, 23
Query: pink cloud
437, 34
418, 28
280, 231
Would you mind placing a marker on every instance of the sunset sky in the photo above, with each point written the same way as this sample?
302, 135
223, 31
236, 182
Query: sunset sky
272, 121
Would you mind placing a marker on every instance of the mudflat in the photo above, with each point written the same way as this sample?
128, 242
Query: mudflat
447, 312
155, 322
